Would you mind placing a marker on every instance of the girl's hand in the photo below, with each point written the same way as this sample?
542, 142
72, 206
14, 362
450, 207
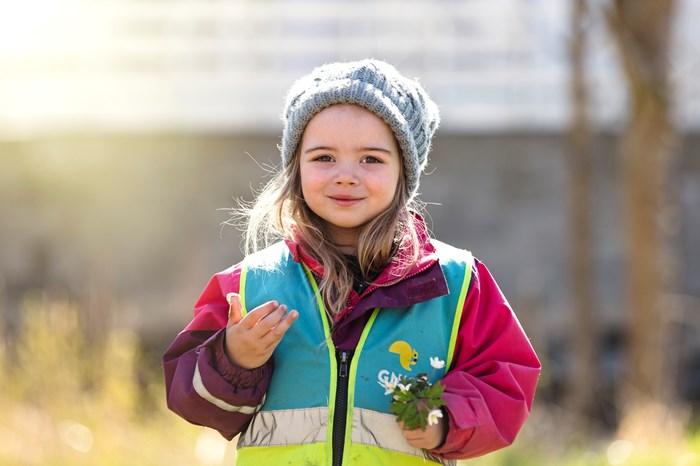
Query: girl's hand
250, 340
430, 437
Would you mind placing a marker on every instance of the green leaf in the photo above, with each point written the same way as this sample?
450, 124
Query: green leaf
412, 407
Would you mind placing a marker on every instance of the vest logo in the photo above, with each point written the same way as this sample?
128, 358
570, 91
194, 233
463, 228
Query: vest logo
407, 355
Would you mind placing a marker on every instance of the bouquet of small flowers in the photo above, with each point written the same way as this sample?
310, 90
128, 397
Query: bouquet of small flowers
414, 400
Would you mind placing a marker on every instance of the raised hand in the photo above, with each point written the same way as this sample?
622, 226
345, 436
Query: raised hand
251, 340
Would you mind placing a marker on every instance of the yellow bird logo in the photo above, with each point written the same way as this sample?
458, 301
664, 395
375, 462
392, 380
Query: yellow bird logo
407, 355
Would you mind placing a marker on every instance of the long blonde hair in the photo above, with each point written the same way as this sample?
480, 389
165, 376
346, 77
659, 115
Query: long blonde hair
280, 211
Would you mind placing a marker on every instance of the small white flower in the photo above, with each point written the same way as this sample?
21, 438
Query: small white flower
437, 363
388, 387
404, 388
433, 416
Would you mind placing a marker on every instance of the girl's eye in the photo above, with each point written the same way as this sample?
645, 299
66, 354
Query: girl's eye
371, 159
323, 158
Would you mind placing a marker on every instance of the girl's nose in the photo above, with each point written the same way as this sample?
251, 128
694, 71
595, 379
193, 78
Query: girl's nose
346, 176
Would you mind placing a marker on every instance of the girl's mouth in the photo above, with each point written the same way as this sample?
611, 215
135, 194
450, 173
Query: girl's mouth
345, 201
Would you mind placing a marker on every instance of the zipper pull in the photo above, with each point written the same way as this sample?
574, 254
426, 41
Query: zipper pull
343, 364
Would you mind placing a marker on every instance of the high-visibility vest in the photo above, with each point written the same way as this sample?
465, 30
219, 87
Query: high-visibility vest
295, 424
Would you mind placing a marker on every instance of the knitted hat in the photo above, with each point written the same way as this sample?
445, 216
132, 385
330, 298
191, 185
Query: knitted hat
377, 86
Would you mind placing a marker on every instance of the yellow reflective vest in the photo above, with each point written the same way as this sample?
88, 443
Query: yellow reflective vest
329, 408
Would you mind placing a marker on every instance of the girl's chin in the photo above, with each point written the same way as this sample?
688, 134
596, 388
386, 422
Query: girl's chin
343, 233
344, 228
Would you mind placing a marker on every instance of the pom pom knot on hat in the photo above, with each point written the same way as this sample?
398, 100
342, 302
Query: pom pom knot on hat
377, 86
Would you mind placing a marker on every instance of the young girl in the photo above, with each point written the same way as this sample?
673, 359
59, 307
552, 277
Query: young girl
293, 347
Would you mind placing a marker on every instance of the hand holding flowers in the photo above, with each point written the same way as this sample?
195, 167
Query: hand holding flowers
416, 403
428, 438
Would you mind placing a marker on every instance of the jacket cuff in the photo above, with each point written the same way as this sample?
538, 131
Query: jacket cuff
236, 375
455, 436
446, 419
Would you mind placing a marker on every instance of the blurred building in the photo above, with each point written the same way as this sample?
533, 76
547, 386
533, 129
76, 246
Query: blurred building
225, 65
125, 124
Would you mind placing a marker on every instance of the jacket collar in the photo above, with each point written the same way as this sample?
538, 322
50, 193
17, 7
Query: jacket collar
424, 280
393, 272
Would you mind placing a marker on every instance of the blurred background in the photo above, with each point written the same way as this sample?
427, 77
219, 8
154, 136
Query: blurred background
567, 161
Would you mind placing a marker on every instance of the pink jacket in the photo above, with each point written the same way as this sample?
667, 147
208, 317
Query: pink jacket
489, 388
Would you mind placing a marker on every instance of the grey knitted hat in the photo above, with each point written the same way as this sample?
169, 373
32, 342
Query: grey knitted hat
377, 86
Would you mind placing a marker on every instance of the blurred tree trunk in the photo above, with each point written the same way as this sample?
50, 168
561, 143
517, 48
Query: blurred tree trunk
584, 335
642, 29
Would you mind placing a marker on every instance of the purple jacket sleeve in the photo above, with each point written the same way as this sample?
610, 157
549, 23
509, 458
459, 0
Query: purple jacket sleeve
490, 386
202, 385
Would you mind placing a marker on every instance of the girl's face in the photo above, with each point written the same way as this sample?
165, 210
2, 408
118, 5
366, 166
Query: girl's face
350, 167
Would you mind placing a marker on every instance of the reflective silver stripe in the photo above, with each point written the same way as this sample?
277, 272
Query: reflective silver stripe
204, 393
380, 430
377, 429
286, 427
309, 425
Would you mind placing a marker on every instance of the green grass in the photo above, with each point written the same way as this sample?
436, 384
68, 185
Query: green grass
66, 402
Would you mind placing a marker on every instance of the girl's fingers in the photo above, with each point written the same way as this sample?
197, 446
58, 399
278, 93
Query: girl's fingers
270, 321
417, 444
275, 335
413, 434
414, 439
234, 308
407, 430
253, 317
427, 438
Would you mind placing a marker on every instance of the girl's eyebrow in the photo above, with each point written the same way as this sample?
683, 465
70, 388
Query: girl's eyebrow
361, 149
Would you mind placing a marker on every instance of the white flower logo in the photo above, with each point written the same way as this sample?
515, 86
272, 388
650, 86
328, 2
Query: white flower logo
433, 416
437, 363
388, 381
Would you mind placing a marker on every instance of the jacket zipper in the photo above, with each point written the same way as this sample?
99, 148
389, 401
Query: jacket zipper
341, 406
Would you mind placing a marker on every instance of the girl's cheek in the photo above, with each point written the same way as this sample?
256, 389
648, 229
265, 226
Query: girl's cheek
312, 187
314, 178
382, 178
308, 175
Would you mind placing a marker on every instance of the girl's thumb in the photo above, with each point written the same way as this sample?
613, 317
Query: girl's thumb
234, 308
